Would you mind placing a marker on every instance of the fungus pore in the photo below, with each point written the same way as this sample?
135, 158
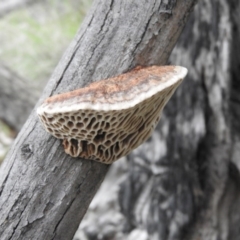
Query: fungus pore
109, 118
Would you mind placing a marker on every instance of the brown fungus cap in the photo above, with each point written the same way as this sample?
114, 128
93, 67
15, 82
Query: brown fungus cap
108, 119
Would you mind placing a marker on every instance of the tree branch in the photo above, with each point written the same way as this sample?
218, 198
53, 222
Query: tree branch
44, 193
10, 5
17, 99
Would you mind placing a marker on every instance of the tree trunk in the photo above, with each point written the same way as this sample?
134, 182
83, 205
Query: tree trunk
17, 99
45, 193
184, 182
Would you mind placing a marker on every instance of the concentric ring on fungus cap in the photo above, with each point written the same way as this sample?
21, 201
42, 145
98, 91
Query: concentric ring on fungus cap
108, 119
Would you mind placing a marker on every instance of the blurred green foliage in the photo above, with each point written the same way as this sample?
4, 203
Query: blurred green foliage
6, 139
33, 38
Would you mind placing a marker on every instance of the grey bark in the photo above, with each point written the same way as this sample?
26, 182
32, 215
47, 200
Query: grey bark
45, 193
188, 186
17, 98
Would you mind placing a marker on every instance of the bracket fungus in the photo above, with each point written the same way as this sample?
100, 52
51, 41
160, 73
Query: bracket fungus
108, 119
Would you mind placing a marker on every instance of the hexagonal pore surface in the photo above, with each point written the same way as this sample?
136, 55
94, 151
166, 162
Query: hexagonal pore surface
104, 134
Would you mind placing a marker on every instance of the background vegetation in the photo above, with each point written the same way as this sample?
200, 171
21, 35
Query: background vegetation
32, 40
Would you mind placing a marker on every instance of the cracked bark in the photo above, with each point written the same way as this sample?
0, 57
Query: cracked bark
191, 163
44, 193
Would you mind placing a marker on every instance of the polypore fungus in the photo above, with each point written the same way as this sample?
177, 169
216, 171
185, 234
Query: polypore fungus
109, 118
